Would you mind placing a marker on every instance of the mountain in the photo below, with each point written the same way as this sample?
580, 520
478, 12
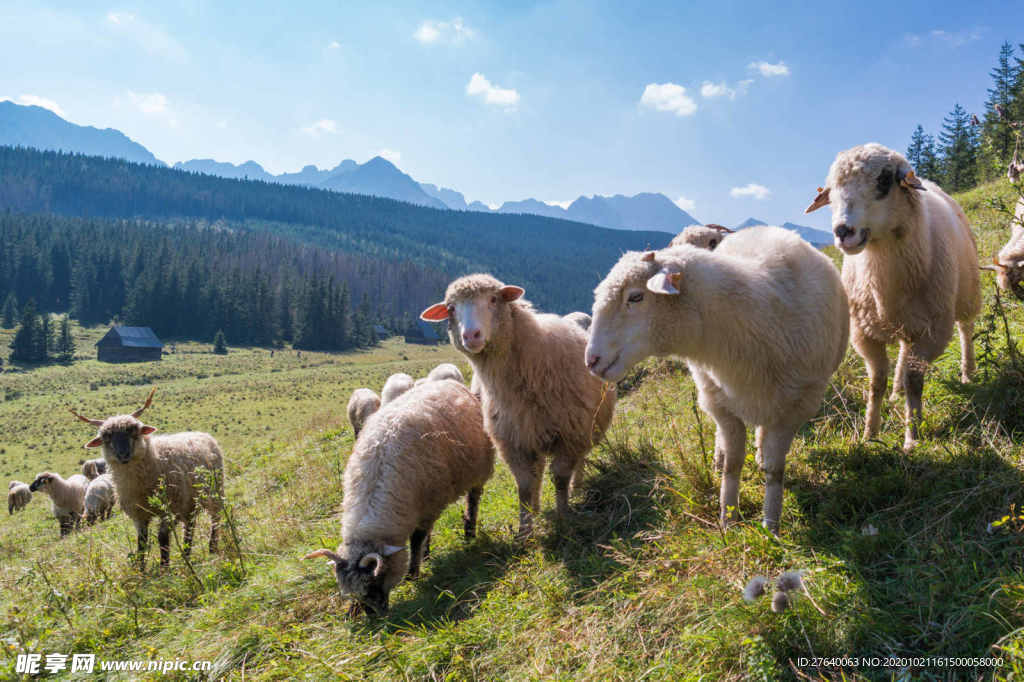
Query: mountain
452, 199
379, 177
818, 238
31, 126
250, 170
645, 211
536, 208
750, 222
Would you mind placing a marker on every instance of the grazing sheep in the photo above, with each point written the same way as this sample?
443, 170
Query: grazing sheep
396, 385
94, 467
361, 405
18, 496
910, 269
580, 318
538, 398
182, 471
414, 457
67, 498
1009, 264
100, 497
701, 236
446, 370
762, 322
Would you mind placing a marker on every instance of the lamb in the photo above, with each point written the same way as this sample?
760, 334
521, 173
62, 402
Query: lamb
94, 467
180, 472
67, 498
446, 370
580, 318
414, 457
538, 399
762, 322
396, 385
361, 405
702, 236
18, 496
100, 497
1009, 264
910, 269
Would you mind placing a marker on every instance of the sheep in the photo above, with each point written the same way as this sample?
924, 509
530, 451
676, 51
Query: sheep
396, 385
446, 370
67, 498
702, 236
168, 477
538, 399
910, 269
361, 405
414, 457
580, 318
94, 467
100, 497
18, 496
762, 322
1009, 264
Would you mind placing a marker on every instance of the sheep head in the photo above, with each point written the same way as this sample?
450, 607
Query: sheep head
870, 189
367, 572
42, 482
120, 435
475, 307
702, 236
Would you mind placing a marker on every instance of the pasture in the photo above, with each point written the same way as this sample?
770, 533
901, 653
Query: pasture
907, 555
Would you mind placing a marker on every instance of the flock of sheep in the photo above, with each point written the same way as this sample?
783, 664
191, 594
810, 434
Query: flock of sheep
762, 318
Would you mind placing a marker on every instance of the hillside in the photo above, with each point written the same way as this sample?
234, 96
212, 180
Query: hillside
906, 555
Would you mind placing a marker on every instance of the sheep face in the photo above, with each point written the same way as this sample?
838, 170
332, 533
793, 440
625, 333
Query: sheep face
367, 576
869, 188
625, 305
121, 437
41, 483
474, 306
701, 236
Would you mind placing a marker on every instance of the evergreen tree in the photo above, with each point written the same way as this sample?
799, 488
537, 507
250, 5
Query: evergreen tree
959, 145
25, 344
65, 341
220, 344
10, 311
997, 138
45, 339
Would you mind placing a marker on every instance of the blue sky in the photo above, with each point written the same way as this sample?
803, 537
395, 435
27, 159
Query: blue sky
507, 101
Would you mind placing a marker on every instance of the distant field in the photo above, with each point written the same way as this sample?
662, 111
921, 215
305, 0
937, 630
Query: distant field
641, 584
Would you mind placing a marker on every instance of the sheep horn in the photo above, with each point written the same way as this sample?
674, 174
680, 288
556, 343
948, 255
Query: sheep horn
374, 556
94, 422
996, 265
137, 413
324, 552
819, 201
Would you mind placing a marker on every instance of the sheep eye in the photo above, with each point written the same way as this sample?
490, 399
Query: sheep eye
636, 297
494, 299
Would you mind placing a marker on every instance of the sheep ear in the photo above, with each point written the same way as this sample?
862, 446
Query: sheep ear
511, 292
435, 313
819, 201
94, 443
648, 257
664, 283
147, 429
391, 549
910, 181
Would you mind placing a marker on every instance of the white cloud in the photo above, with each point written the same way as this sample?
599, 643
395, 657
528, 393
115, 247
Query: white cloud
390, 154
751, 190
685, 204
770, 70
150, 38
479, 86
321, 127
668, 97
149, 103
709, 90
560, 204
37, 101
957, 38
333, 45
454, 31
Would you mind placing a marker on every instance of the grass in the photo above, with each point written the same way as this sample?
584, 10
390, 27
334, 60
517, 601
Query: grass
639, 584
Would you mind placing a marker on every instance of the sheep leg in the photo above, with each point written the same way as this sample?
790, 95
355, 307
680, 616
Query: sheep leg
190, 527
214, 510
776, 444
65, 525
899, 377
966, 330
527, 468
163, 537
734, 443
472, 509
562, 468
142, 537
758, 443
877, 363
915, 387
417, 544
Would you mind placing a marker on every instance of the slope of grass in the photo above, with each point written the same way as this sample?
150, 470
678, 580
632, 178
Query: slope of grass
907, 555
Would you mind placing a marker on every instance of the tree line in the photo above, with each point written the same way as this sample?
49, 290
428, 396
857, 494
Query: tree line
971, 149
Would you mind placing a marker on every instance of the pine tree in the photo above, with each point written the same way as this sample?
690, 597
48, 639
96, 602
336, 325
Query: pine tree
959, 145
220, 344
25, 344
10, 311
65, 341
45, 339
997, 138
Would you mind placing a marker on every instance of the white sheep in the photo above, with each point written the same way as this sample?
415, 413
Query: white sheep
1009, 264
18, 496
910, 269
396, 385
67, 498
100, 498
580, 318
414, 457
538, 398
702, 236
762, 322
94, 467
361, 405
446, 370
168, 477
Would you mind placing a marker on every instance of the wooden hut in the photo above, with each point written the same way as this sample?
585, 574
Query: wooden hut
129, 344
